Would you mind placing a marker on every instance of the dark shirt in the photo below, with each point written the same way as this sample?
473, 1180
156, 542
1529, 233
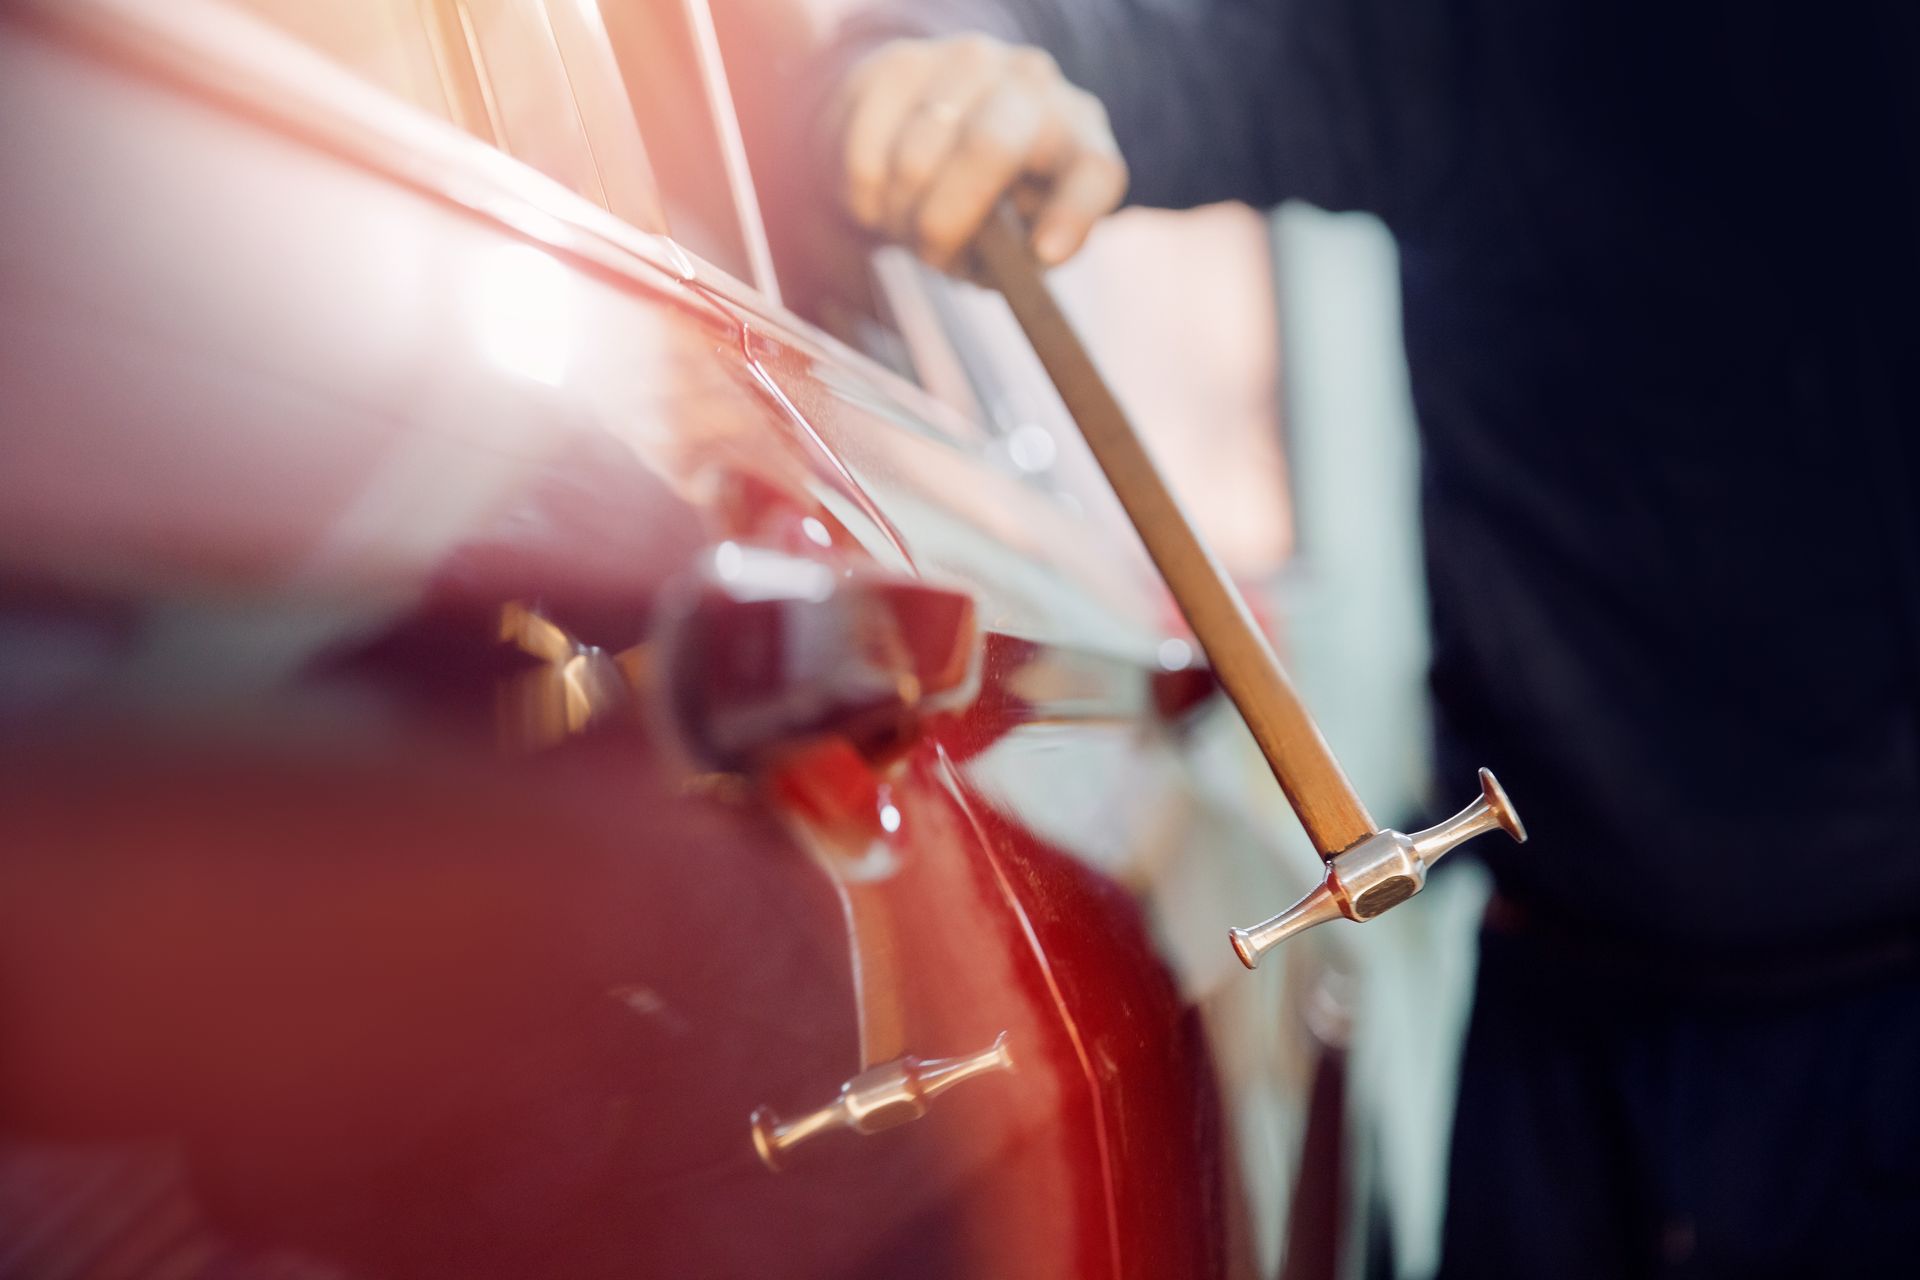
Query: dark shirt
1659, 264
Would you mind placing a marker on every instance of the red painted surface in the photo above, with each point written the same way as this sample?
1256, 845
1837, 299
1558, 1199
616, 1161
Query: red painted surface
368, 904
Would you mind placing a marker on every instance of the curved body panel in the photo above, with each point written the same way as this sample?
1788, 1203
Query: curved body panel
492, 705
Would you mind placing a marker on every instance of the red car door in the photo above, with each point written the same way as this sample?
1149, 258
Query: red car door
525, 758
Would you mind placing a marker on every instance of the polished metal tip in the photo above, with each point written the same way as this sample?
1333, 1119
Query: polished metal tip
763, 1124
1318, 907
1002, 1055
1496, 797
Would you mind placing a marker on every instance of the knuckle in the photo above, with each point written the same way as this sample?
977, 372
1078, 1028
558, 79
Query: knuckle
892, 58
919, 157
1091, 111
1108, 167
1107, 180
1034, 64
1002, 129
988, 139
863, 201
973, 49
864, 166
942, 229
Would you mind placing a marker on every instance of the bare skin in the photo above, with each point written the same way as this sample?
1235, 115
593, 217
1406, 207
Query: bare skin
932, 133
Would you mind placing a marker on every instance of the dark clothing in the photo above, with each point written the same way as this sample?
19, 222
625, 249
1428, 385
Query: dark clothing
1660, 276
1614, 1131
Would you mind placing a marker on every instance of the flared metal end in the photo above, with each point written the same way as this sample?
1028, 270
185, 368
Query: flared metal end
1496, 797
765, 1127
1243, 947
1317, 907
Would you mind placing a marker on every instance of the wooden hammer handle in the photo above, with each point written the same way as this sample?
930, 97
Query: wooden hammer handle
1312, 779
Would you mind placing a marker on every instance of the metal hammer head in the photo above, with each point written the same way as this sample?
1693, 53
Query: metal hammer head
1381, 872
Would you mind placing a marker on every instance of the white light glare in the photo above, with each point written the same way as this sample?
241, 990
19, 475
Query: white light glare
523, 314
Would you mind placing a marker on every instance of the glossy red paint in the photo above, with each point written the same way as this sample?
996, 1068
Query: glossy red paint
769, 650
369, 902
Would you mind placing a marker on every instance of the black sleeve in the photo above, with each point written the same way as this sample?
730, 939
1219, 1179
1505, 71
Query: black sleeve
1258, 100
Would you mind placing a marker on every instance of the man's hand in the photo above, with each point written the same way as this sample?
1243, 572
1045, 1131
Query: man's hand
934, 132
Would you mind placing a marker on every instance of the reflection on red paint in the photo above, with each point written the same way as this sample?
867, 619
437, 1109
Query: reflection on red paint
772, 650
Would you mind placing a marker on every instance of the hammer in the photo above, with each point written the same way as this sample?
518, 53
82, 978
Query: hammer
1369, 869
